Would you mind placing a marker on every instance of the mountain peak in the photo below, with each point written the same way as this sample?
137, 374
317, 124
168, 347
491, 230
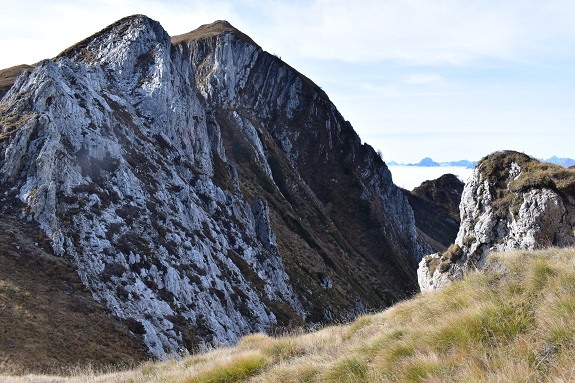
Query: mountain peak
119, 33
181, 179
210, 30
426, 162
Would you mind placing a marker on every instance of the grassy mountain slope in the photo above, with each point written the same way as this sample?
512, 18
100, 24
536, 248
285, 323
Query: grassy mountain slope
512, 322
9, 75
47, 318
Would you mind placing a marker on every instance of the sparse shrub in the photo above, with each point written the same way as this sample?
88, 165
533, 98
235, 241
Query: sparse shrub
444, 266
443, 263
357, 325
453, 253
432, 263
283, 349
423, 369
255, 340
540, 274
468, 240
371, 348
388, 357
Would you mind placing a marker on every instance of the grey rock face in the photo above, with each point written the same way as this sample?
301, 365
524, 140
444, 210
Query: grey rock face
119, 149
511, 202
122, 182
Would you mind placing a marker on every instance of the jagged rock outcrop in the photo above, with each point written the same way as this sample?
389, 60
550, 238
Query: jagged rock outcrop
512, 201
202, 187
435, 205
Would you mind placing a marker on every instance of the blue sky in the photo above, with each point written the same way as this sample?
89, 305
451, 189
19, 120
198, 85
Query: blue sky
447, 79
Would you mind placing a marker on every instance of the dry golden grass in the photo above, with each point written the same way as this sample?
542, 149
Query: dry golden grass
513, 322
8, 77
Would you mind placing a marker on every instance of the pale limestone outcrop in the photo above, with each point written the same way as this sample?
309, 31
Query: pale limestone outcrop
430, 275
503, 207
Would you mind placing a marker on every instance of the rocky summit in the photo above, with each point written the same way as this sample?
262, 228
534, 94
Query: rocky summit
512, 202
201, 187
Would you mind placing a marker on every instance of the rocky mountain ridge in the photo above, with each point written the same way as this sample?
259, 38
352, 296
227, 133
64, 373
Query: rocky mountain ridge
435, 205
202, 188
512, 201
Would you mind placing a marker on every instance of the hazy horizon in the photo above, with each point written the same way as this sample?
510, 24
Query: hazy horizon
391, 160
409, 177
445, 79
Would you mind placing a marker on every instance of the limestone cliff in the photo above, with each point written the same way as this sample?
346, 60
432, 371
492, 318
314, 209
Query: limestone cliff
512, 201
202, 187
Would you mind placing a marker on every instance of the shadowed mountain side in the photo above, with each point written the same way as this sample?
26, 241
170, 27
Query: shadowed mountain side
435, 206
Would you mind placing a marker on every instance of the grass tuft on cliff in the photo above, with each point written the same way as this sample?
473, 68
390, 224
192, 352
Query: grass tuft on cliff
513, 322
507, 189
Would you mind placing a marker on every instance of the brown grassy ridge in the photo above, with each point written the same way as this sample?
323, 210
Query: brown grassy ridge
211, 30
47, 318
8, 77
512, 322
534, 174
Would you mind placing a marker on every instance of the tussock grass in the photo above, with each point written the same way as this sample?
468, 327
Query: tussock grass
512, 322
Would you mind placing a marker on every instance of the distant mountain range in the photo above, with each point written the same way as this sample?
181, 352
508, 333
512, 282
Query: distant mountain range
428, 162
565, 162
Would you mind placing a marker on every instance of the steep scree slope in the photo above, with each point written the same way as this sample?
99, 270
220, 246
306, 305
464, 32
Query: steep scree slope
202, 187
512, 201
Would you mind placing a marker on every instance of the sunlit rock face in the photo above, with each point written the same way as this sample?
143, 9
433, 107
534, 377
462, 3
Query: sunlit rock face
512, 202
203, 188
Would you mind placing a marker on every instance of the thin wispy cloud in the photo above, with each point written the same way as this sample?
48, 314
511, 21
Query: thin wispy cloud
417, 32
422, 32
409, 66
423, 78
32, 30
